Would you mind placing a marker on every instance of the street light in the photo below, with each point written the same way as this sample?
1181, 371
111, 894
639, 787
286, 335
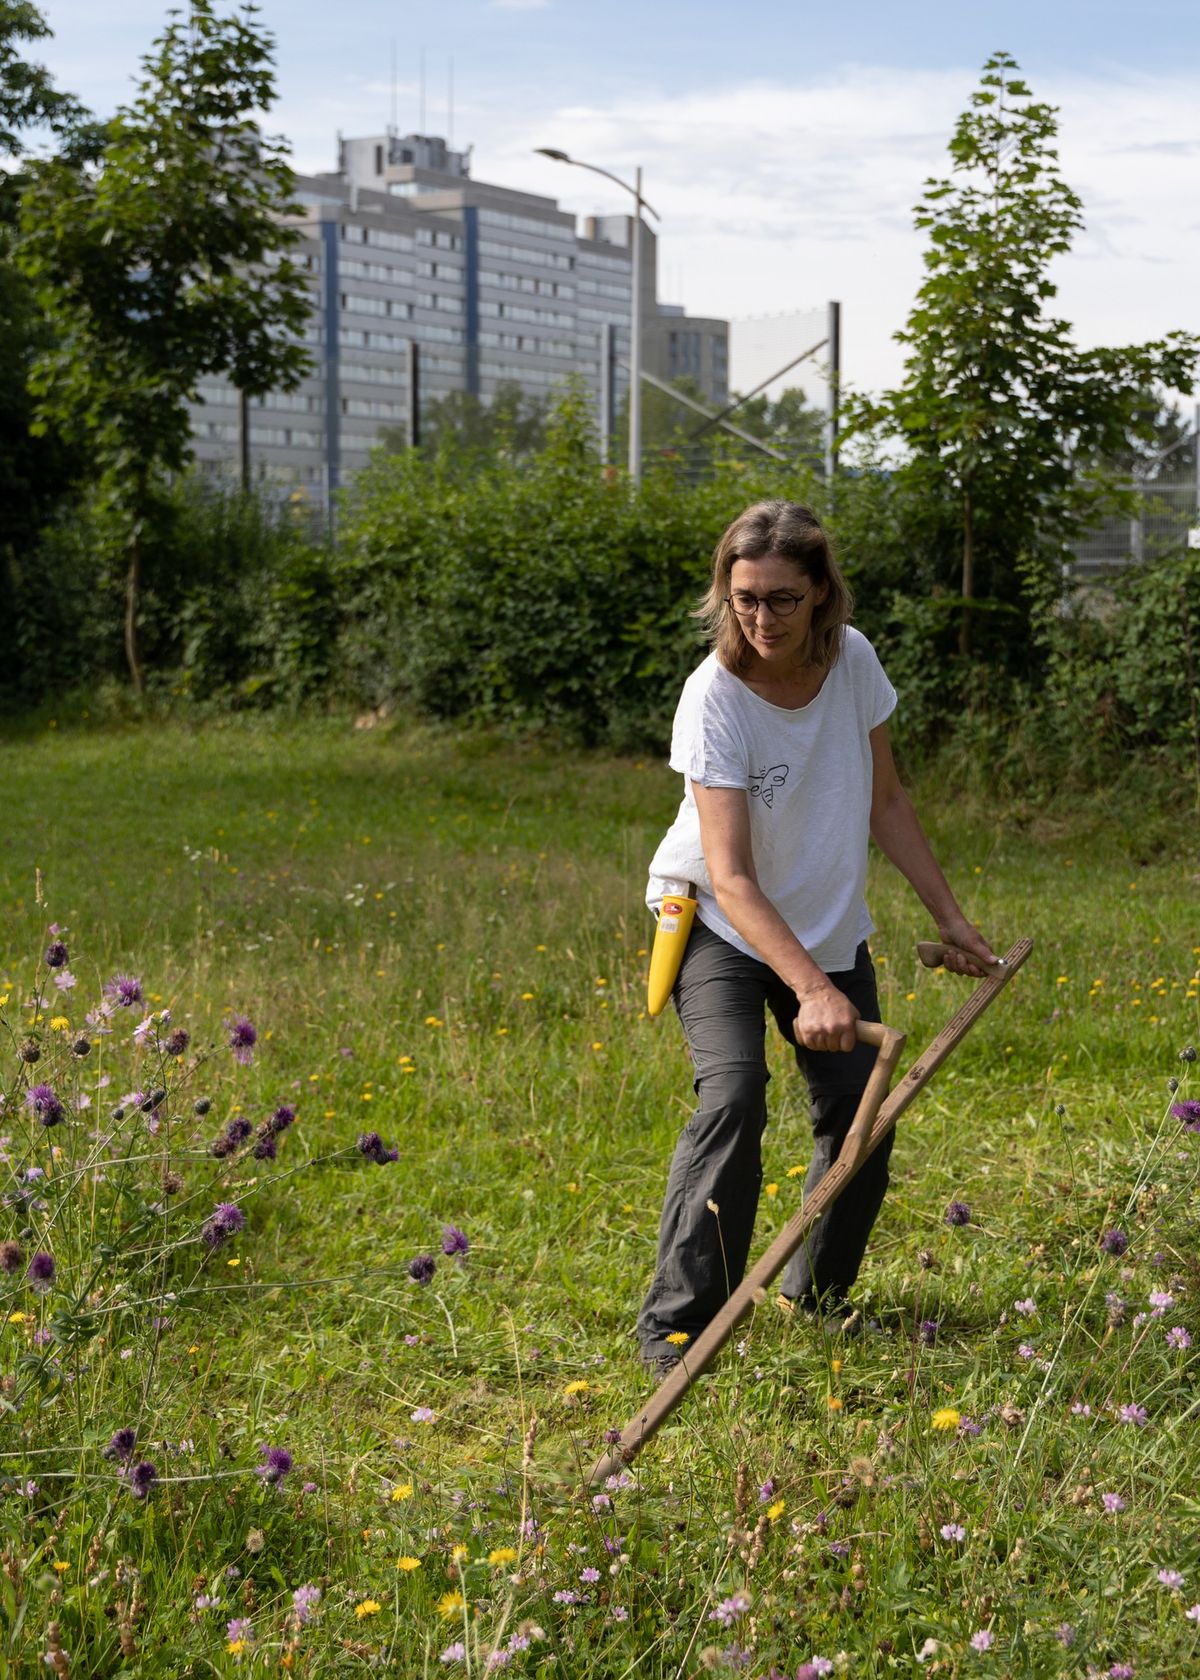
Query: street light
635, 310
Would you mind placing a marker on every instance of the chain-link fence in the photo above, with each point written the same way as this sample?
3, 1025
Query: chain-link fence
1169, 509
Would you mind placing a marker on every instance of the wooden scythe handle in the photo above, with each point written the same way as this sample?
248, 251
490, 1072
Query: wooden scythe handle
871, 1124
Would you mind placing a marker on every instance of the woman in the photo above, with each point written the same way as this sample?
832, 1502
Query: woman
781, 736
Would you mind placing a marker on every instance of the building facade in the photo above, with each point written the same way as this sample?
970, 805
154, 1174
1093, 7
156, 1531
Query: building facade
425, 282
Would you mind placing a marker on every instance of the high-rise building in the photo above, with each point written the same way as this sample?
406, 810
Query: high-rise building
425, 281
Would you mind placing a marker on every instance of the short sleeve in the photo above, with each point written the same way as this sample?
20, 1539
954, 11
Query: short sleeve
876, 696
705, 745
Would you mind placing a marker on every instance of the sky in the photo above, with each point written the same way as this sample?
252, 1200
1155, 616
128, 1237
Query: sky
783, 145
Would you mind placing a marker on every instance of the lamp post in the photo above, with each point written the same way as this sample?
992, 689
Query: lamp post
635, 308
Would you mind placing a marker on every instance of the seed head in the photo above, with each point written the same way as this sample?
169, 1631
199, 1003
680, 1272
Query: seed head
30, 1051
57, 955
82, 1046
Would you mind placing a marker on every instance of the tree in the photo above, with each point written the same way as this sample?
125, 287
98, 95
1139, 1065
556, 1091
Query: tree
465, 427
1004, 422
162, 263
787, 423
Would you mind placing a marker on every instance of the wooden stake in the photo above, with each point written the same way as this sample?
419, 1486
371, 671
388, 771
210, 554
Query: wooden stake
872, 1123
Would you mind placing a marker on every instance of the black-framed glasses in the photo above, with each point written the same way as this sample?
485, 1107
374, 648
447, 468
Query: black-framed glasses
780, 603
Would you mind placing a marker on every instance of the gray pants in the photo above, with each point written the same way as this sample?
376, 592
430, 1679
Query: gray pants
721, 996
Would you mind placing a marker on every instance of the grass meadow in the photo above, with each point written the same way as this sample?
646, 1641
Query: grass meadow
237, 1434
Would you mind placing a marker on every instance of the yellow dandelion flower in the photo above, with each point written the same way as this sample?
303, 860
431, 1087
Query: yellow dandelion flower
502, 1555
458, 1553
946, 1417
573, 1188
835, 1366
432, 1021
526, 997
234, 1262
833, 1402
408, 1564
774, 1512
450, 1604
18, 1318
597, 1045
235, 1647
368, 1607
678, 1337
59, 1023
772, 1189
61, 1565
579, 1386
793, 1172
403, 1491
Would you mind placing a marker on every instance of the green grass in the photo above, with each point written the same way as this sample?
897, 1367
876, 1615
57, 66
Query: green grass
443, 939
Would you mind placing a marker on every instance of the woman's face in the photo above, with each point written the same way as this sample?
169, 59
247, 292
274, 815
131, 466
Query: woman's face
777, 638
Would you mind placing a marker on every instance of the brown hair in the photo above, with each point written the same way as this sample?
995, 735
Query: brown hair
795, 532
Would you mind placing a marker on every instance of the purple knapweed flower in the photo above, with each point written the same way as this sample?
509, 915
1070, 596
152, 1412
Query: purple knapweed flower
177, 1041
1134, 1414
141, 1479
41, 1272
1189, 1113
372, 1146
927, 1331
225, 1221
304, 1601
57, 955
123, 991
121, 1446
766, 1491
238, 1130
45, 1105
968, 1427
243, 1036
454, 1241
1114, 1242
958, 1213
281, 1119
422, 1268
266, 1144
277, 1461
1178, 1338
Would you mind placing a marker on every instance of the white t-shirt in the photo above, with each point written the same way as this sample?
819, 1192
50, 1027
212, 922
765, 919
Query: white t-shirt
807, 772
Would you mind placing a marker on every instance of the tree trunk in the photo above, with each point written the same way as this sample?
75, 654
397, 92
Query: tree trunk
133, 579
968, 576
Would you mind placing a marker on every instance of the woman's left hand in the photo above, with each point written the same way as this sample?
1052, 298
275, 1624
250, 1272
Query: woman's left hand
971, 954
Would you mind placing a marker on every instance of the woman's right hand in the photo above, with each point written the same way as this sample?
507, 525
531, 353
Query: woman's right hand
825, 1020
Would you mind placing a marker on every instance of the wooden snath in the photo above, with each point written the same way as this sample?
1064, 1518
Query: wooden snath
876, 1115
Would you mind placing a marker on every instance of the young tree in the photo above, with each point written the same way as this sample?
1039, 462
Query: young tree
164, 262
1003, 420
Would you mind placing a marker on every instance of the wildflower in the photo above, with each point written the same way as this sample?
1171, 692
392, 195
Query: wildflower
368, 1607
1065, 1634
454, 1653
501, 1555
1118, 1310
1189, 1113
953, 1531
834, 1402
281, 1119
566, 1595
12, 1257
141, 1479
1026, 1350
1026, 1308
421, 1269
677, 1338
927, 1331
946, 1418
123, 991
1178, 1338
454, 1241
729, 1609
982, 1641
422, 1414
579, 1386
371, 1145
57, 955
1134, 1414
776, 1510
968, 1427
1121, 1671
41, 1272
401, 1492
1193, 1615
240, 1629
177, 1041
225, 1220
238, 1130
304, 1601
408, 1564
65, 980
450, 1603
277, 1461
958, 1213
1113, 1503
122, 1444
1114, 1242
1080, 1408
814, 1668
1160, 1300
1171, 1579
266, 1145
589, 1576
45, 1105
